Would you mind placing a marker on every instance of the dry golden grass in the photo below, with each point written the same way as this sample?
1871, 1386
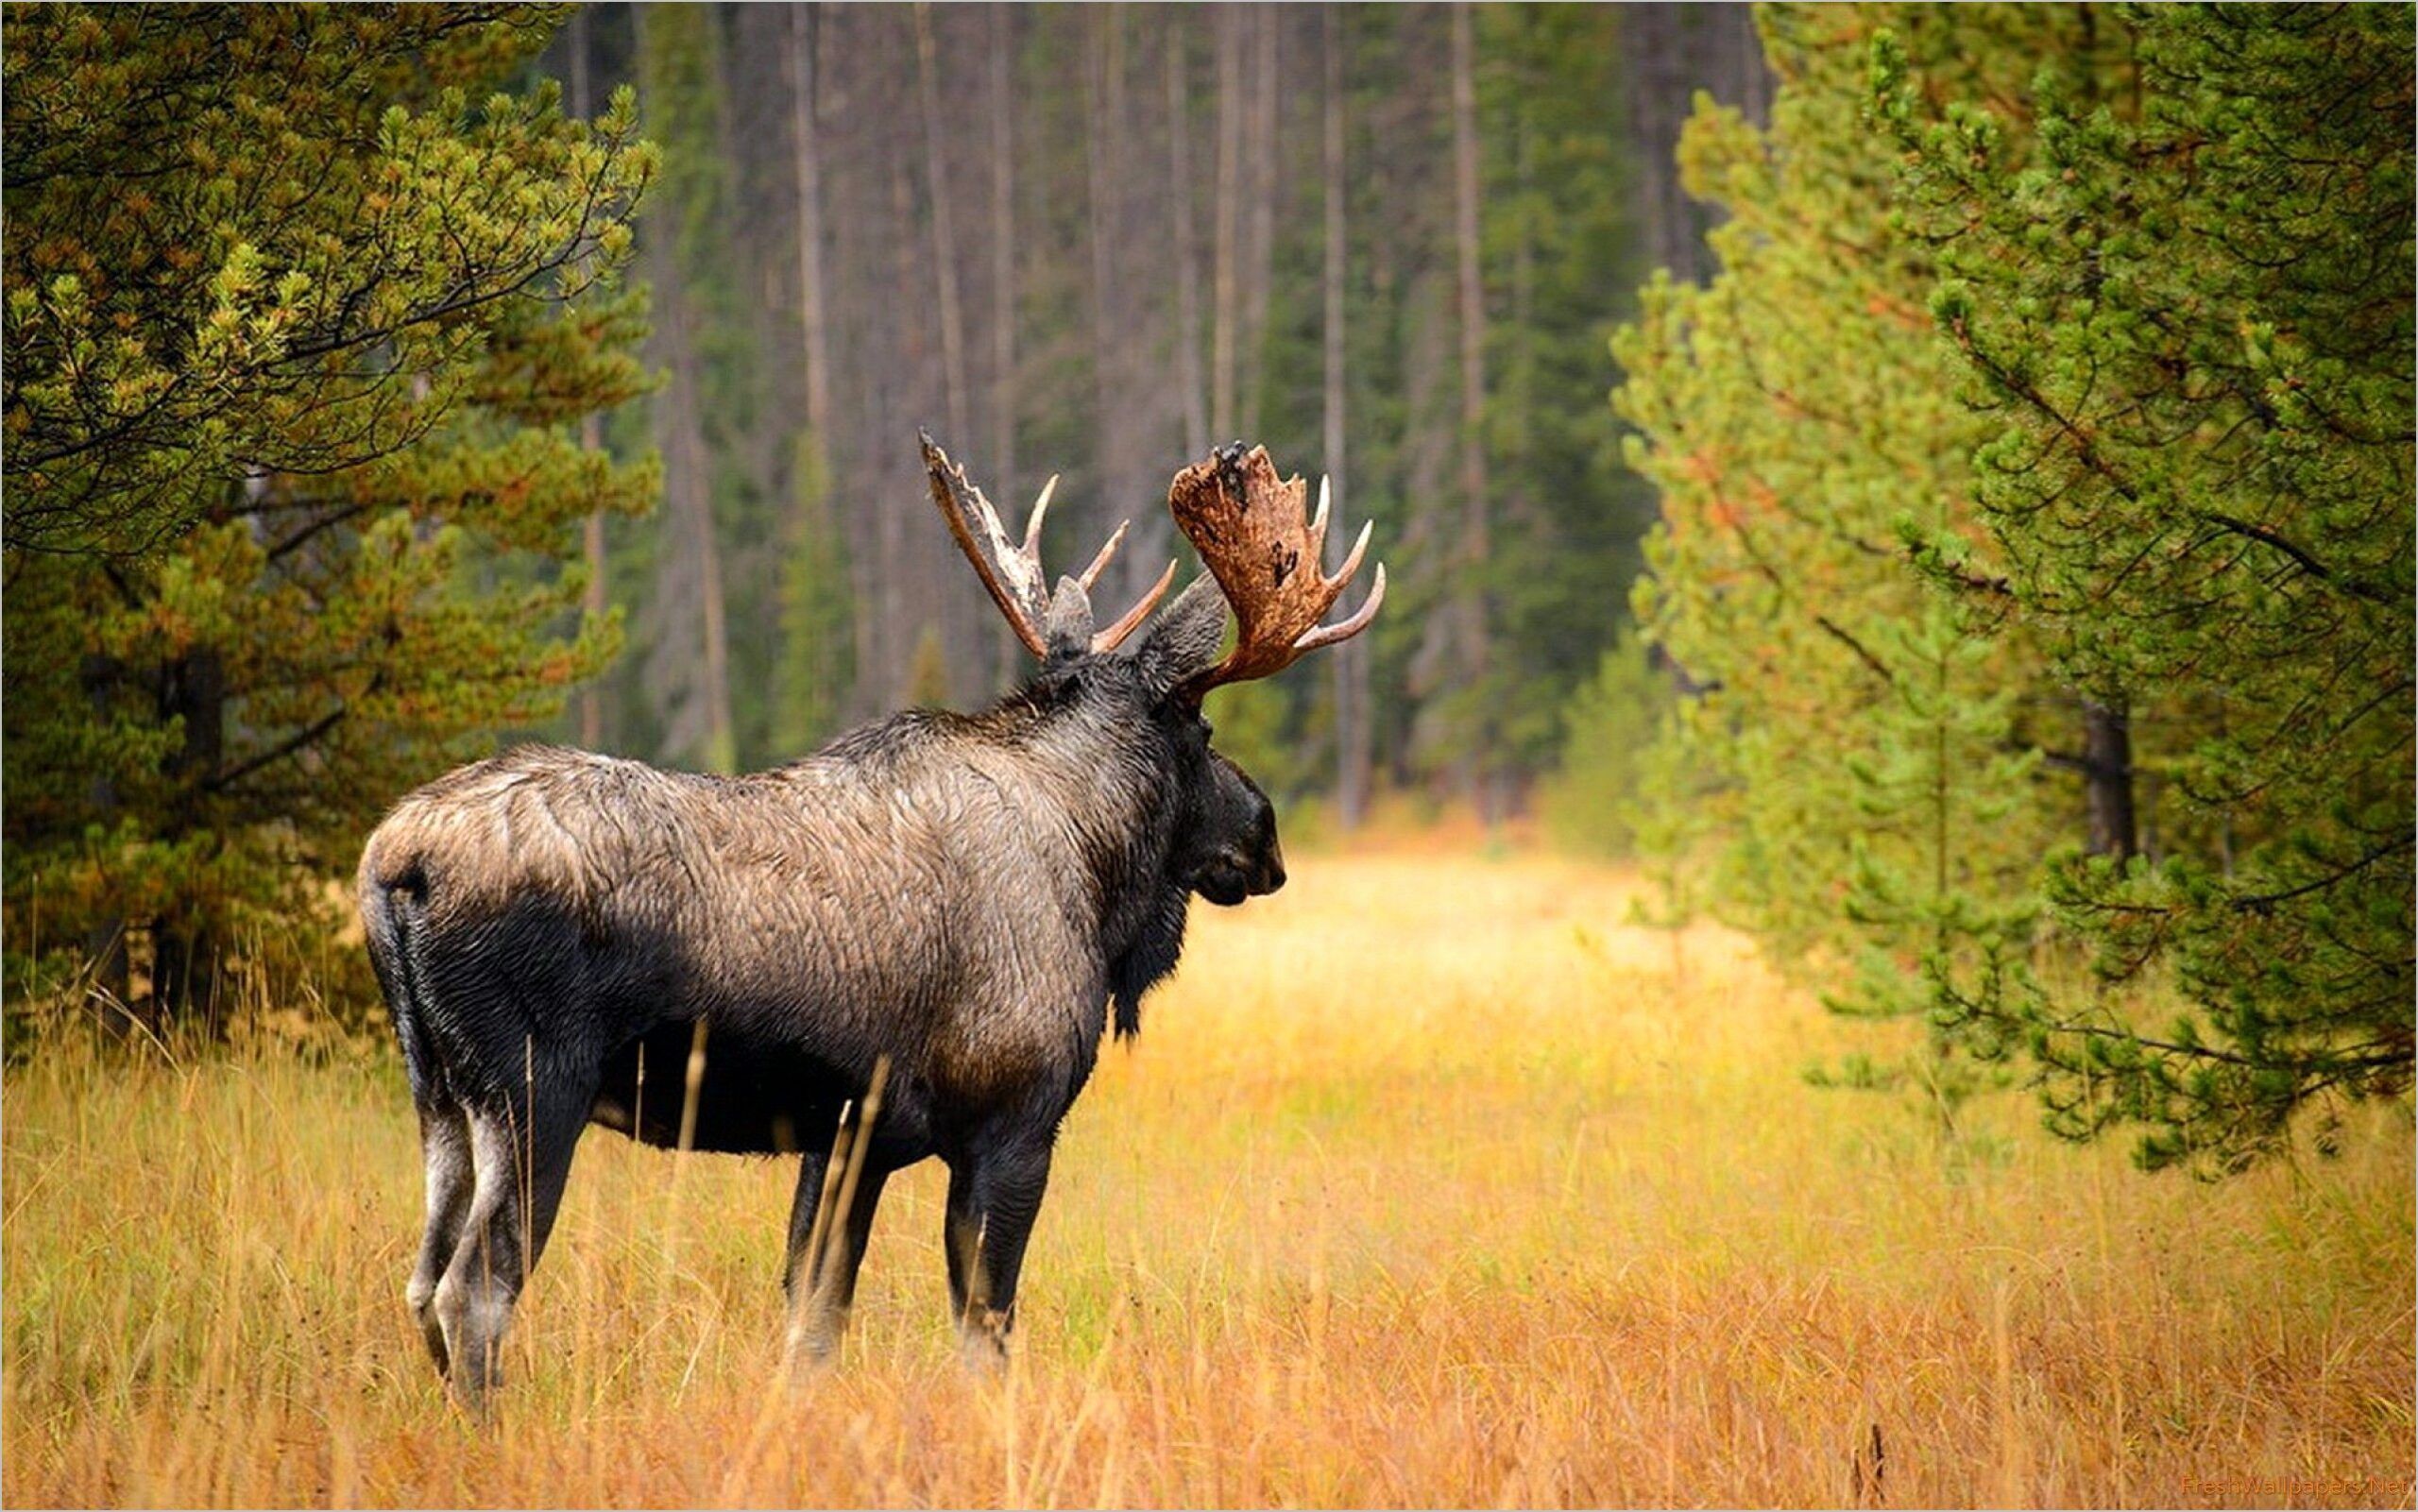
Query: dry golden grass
1429, 1182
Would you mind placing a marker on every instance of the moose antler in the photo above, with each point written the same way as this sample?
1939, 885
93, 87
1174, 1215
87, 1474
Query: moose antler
1012, 573
1247, 524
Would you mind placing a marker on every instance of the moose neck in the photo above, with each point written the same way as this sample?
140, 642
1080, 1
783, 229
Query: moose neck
1124, 788
1120, 774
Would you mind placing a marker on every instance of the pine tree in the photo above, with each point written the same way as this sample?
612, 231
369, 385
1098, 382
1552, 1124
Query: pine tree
298, 203
2184, 312
1861, 761
314, 336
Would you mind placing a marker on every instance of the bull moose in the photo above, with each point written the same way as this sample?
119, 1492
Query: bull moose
954, 905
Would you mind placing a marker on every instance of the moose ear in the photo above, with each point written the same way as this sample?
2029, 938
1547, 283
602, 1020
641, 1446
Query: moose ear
1184, 640
1067, 627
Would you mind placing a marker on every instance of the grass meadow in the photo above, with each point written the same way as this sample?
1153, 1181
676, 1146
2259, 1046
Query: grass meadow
1430, 1181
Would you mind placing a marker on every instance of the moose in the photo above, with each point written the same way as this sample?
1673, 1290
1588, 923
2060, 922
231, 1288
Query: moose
939, 912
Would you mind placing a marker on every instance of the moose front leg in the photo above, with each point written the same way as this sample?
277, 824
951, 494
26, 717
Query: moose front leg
994, 1194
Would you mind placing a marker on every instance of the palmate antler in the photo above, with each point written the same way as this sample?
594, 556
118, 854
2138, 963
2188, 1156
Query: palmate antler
1012, 573
1246, 522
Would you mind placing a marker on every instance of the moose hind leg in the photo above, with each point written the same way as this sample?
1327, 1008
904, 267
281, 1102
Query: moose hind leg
993, 1195
521, 1178
445, 1149
822, 1287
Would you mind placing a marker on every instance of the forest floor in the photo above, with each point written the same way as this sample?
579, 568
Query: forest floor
1431, 1180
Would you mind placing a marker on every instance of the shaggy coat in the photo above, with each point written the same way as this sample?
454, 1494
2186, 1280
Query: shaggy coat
962, 897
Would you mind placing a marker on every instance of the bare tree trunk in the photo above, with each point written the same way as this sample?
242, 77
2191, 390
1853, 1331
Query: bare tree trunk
187, 965
1469, 578
961, 632
901, 636
1099, 162
689, 490
1349, 666
810, 306
813, 516
1259, 153
1669, 52
721, 737
1009, 651
1188, 247
1125, 414
944, 230
2107, 779
1230, 147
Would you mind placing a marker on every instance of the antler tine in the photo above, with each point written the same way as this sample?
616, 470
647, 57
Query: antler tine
1130, 620
963, 507
1247, 523
1011, 574
1328, 635
1032, 522
1352, 562
1091, 574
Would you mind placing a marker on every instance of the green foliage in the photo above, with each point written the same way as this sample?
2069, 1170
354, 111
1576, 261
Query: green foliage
818, 647
301, 204
1557, 261
1257, 728
2026, 387
927, 674
2185, 313
1853, 770
1560, 235
304, 555
1593, 800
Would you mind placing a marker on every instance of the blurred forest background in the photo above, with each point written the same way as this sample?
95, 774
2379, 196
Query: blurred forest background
1934, 484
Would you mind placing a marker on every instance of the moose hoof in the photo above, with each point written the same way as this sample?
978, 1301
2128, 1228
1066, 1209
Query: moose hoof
982, 1344
812, 1348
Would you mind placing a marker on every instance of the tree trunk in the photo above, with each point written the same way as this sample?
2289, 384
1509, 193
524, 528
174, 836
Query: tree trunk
1187, 246
961, 632
812, 526
810, 230
1008, 651
186, 964
2107, 779
1347, 664
1670, 51
1229, 149
1259, 153
1102, 113
100, 677
943, 231
688, 490
900, 631
1126, 409
1471, 556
